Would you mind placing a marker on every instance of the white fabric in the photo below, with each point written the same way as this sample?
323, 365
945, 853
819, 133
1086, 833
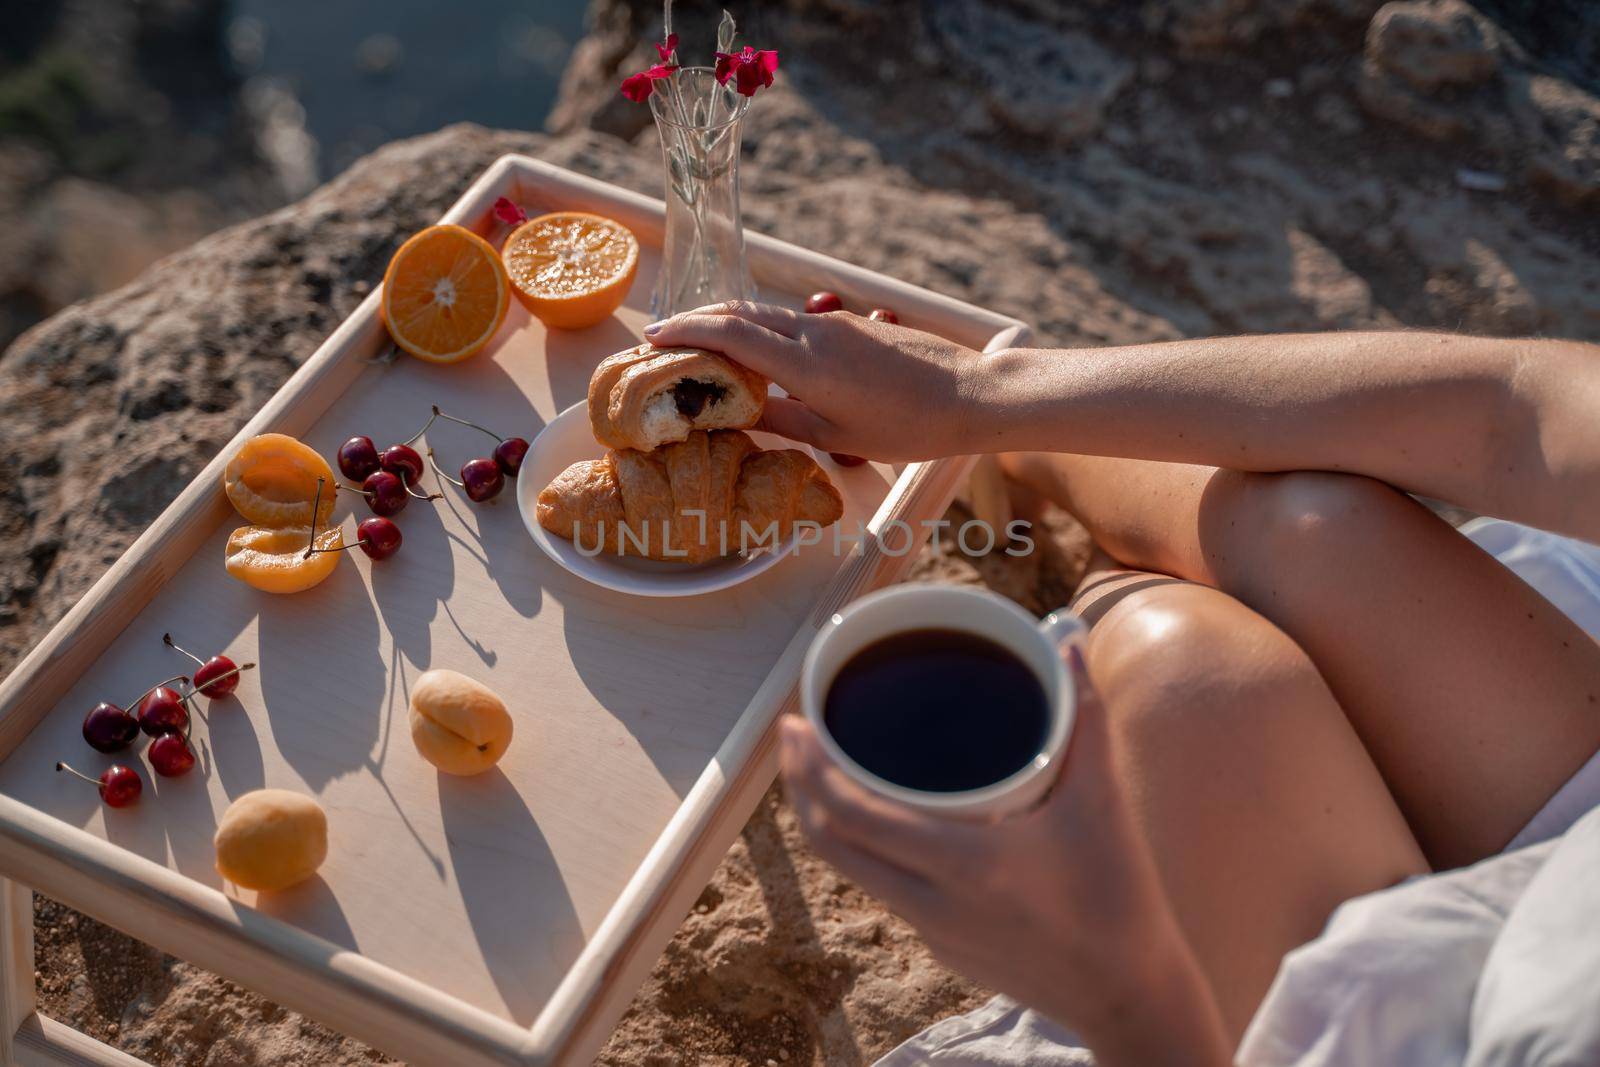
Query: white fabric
1494, 965
1538, 1000
1002, 1033
1395, 976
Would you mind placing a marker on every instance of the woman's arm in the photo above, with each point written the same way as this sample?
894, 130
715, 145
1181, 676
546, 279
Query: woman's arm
1506, 427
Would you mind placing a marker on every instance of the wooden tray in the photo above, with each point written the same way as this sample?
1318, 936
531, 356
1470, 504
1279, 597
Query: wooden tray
506, 918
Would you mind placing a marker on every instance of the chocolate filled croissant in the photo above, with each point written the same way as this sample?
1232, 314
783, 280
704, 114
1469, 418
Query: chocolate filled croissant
690, 501
647, 396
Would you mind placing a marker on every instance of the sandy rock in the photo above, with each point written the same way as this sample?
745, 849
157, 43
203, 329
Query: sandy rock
1223, 24
1431, 67
1561, 122
1054, 85
783, 961
1433, 43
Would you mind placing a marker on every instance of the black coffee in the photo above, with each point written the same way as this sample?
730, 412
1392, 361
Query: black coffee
938, 710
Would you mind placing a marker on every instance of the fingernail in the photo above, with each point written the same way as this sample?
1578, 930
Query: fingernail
654, 328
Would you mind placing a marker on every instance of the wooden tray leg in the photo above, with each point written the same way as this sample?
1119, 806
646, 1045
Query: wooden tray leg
28, 1039
16, 964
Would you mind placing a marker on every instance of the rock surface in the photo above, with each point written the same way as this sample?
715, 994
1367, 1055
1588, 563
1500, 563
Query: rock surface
1441, 69
1219, 165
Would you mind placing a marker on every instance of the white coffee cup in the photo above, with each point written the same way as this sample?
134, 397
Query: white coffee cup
1040, 644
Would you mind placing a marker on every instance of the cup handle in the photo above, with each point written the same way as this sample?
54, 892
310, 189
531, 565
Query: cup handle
1064, 630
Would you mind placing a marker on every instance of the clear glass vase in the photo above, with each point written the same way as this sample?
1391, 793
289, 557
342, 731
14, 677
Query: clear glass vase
703, 258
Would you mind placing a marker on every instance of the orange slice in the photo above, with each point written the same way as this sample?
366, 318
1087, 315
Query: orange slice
272, 481
571, 269
274, 560
444, 294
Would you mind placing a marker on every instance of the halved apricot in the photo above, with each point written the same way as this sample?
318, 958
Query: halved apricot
274, 560
272, 481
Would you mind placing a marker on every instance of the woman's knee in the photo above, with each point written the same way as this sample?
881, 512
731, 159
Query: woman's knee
1260, 521
1166, 650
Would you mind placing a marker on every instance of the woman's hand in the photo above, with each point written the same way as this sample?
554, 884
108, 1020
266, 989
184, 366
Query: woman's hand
1059, 907
864, 387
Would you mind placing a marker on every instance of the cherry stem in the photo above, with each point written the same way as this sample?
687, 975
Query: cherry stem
153, 688
425, 426
343, 548
63, 767
224, 675
443, 477
167, 640
369, 496
419, 496
437, 414
316, 505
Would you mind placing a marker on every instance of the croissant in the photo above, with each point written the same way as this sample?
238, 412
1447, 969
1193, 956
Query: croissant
647, 396
690, 501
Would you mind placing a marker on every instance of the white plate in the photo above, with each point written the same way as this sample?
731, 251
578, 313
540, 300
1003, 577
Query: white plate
566, 440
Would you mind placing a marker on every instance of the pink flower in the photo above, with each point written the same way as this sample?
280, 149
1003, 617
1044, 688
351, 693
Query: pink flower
509, 213
639, 87
665, 50
750, 70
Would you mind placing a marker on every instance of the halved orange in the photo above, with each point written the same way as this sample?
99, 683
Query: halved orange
275, 560
445, 294
272, 481
571, 269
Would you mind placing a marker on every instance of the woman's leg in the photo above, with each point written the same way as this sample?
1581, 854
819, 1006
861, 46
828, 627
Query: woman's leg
1476, 698
1263, 810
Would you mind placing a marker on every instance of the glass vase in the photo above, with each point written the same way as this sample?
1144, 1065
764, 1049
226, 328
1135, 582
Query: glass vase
702, 257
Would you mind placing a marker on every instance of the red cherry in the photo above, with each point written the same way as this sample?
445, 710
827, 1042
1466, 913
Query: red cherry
358, 457
378, 537
845, 459
119, 786
108, 728
171, 756
162, 712
208, 678
508, 455
823, 302
217, 676
884, 315
482, 479
402, 460
386, 493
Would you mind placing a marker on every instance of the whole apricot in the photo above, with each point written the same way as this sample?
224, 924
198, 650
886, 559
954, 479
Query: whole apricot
270, 839
459, 725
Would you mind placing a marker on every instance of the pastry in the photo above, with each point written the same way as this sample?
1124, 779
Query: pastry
647, 397
694, 500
